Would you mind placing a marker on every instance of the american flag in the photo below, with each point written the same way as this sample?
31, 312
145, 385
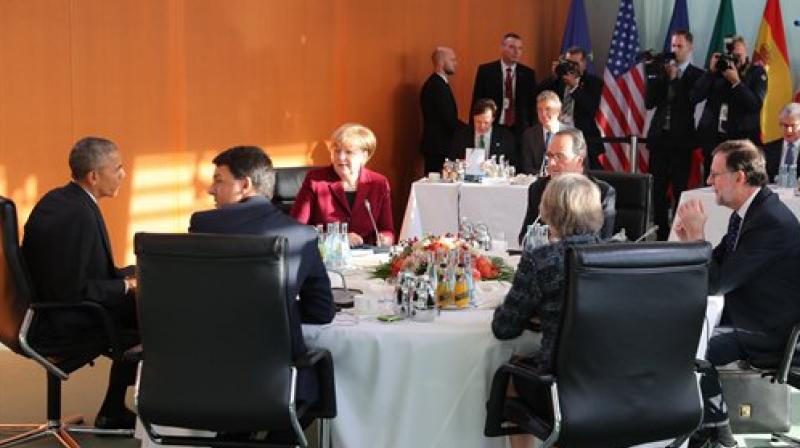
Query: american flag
622, 110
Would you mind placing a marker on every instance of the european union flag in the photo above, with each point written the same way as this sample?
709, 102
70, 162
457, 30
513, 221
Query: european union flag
680, 21
576, 33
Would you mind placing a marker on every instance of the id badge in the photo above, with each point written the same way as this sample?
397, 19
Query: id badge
723, 116
506, 103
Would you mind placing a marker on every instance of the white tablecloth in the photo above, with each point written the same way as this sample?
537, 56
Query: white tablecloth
718, 216
435, 208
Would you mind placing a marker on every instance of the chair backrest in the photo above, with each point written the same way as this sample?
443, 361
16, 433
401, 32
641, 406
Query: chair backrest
634, 200
288, 181
15, 290
214, 324
632, 319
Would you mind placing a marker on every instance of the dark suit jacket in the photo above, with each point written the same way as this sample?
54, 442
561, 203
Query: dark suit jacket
681, 108
608, 198
772, 153
489, 84
439, 118
502, 144
759, 278
306, 274
587, 101
532, 149
321, 200
69, 256
744, 104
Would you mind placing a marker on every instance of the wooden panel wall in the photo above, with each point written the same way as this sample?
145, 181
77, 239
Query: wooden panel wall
172, 82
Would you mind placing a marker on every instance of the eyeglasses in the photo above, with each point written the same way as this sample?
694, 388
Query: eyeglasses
712, 175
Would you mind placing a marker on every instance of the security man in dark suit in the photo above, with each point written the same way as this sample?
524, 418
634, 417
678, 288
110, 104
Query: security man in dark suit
734, 97
510, 84
755, 266
580, 93
439, 112
783, 152
67, 250
242, 185
484, 134
567, 154
671, 137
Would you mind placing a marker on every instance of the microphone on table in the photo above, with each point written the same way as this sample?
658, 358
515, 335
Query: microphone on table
378, 247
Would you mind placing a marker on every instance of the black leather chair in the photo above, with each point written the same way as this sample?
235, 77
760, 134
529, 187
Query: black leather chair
215, 334
624, 366
634, 201
287, 183
21, 317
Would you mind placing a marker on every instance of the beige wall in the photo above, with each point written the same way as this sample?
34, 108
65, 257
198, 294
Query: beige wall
174, 81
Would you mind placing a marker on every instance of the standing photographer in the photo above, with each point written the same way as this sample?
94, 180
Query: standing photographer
734, 91
671, 137
580, 97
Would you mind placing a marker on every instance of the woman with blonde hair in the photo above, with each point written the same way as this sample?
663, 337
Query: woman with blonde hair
571, 207
347, 192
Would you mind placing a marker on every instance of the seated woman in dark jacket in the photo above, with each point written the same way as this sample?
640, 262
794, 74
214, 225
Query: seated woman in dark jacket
571, 207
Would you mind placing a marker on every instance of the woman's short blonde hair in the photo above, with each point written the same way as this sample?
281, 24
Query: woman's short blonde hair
355, 136
571, 205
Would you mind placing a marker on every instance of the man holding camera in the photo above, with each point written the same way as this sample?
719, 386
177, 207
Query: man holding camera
671, 137
734, 91
580, 97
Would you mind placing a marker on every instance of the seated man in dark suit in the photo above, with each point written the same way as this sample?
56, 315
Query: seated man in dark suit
536, 138
484, 134
242, 184
567, 154
755, 266
782, 152
67, 249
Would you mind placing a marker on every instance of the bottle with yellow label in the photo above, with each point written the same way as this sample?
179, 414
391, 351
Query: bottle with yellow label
461, 288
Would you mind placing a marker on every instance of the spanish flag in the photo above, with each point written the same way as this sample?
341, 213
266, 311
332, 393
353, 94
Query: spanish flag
770, 51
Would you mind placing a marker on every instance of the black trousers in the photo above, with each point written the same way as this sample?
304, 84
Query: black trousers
670, 161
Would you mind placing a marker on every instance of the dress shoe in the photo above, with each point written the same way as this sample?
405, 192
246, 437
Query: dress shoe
123, 420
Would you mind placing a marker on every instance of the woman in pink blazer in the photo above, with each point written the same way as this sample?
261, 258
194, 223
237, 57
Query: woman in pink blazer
343, 191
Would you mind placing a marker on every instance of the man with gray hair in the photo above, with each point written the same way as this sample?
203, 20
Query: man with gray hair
755, 267
242, 185
782, 153
439, 112
566, 153
67, 250
535, 139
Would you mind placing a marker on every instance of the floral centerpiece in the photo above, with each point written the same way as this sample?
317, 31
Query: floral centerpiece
414, 255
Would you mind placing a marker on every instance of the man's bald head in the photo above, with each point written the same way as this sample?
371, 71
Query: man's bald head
444, 60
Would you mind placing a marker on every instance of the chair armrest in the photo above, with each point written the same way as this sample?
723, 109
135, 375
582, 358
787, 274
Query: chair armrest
93, 309
311, 357
785, 366
701, 365
522, 371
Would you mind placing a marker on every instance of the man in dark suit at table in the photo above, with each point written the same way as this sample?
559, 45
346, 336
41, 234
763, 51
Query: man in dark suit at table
510, 84
671, 138
567, 154
242, 184
535, 139
734, 97
67, 250
580, 93
484, 134
439, 112
755, 266
782, 152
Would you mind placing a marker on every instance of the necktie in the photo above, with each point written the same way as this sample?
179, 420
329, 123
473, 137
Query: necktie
509, 98
733, 232
790, 158
547, 136
481, 141
568, 108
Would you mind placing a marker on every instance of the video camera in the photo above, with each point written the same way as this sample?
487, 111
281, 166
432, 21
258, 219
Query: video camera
567, 67
654, 63
727, 60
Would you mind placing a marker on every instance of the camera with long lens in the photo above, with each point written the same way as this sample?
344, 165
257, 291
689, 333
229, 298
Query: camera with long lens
654, 64
727, 60
567, 67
